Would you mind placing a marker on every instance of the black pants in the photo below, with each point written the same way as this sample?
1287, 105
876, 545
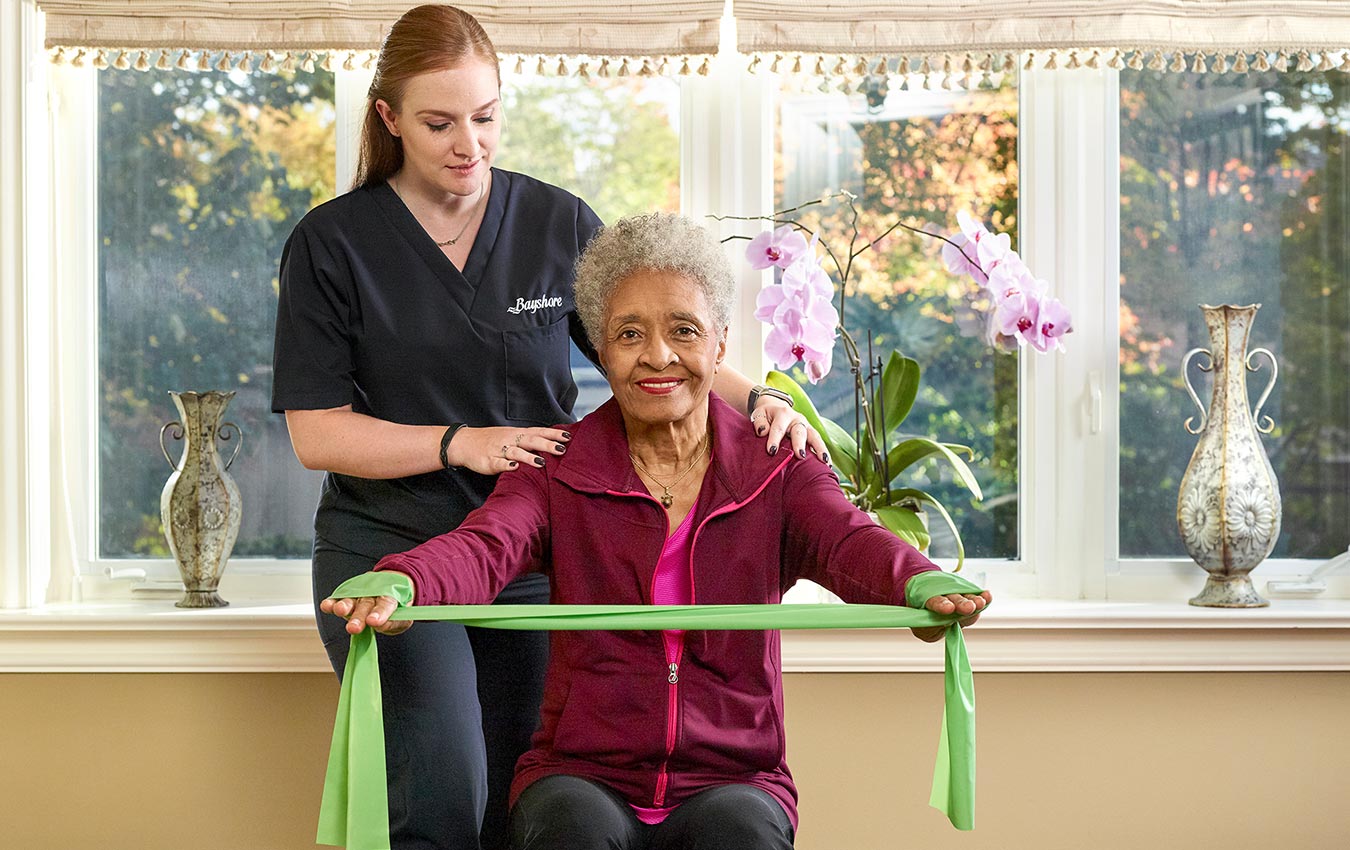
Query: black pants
570, 813
460, 706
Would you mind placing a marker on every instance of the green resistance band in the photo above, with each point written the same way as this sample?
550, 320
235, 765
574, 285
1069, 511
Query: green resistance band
355, 808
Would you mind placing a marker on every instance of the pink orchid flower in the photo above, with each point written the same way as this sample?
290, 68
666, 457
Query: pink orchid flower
801, 318
1053, 322
971, 228
993, 249
818, 368
779, 248
1018, 317
1011, 278
796, 337
960, 261
806, 274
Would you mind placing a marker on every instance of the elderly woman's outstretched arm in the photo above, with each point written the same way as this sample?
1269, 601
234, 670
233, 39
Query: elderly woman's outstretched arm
504, 538
831, 542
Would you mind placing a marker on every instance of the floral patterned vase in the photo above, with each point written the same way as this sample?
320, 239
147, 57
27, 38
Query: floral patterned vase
1228, 510
200, 502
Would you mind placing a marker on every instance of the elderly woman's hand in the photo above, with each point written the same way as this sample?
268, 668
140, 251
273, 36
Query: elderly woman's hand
953, 603
365, 611
494, 450
776, 418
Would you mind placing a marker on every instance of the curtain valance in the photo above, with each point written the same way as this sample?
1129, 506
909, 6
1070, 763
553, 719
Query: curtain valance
638, 28
956, 43
925, 27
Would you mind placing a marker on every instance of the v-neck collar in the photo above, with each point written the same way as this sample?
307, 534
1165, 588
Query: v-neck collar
462, 285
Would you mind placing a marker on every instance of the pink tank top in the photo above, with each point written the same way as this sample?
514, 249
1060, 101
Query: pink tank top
671, 585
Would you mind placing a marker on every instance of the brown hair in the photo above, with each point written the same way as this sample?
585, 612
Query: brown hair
427, 38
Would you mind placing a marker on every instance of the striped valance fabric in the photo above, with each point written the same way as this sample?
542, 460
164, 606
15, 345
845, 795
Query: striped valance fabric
640, 28
926, 27
961, 43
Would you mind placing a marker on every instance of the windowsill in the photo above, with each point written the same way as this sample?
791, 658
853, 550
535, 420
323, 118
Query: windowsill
1015, 636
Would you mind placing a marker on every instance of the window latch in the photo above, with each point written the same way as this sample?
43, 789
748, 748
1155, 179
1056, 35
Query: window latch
1095, 402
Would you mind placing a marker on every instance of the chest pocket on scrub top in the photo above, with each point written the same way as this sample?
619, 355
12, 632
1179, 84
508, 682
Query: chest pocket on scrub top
539, 387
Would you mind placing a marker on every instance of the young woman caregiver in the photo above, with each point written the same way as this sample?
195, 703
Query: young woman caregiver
421, 349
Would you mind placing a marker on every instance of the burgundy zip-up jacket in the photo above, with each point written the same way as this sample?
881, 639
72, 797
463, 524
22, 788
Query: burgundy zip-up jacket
614, 710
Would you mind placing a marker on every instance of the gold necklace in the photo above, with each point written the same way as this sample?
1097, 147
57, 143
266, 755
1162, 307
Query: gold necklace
666, 499
482, 187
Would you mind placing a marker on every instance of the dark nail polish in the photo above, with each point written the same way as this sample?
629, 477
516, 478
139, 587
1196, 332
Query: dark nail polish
566, 436
559, 448
825, 456
539, 461
762, 431
513, 464
801, 453
773, 450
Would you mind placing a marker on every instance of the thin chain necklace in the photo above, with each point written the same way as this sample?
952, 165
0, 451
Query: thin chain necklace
482, 190
666, 499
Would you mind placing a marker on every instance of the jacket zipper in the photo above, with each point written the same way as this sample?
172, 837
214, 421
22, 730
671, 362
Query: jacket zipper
672, 716
672, 705
673, 664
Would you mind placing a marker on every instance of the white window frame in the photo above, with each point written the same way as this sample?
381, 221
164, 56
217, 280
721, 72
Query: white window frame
72, 348
1068, 574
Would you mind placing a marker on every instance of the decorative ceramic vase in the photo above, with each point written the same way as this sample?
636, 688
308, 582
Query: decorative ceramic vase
1228, 510
200, 501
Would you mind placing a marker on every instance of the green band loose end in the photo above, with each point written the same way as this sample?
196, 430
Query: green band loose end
355, 808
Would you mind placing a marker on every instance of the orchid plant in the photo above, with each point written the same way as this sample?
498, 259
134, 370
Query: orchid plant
804, 324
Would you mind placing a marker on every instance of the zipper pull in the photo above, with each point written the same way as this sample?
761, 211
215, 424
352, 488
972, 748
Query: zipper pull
674, 676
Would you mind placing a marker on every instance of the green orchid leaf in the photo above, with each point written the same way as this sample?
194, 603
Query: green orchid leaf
923, 498
800, 401
905, 524
910, 452
957, 447
899, 388
843, 450
915, 449
963, 471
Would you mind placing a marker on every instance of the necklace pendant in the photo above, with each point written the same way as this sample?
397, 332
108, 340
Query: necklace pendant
667, 499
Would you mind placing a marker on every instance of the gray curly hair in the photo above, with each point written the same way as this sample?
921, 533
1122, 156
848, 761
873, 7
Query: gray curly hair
659, 241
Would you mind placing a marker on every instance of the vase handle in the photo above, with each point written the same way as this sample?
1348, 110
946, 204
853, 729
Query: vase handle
1190, 390
178, 435
220, 432
1274, 373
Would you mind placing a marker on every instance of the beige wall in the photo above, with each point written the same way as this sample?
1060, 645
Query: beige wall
1103, 761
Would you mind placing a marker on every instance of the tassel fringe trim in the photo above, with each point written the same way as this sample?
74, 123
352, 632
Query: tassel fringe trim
287, 61
848, 73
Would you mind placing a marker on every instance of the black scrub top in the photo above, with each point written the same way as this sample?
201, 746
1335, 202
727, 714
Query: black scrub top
372, 314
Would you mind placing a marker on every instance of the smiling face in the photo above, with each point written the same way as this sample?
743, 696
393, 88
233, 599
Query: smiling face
660, 349
450, 124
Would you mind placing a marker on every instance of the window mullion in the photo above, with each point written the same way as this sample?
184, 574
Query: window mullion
73, 332
726, 168
350, 89
16, 590
1070, 221
24, 312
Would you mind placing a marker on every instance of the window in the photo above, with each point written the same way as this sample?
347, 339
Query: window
614, 142
1131, 192
201, 177
919, 157
1234, 191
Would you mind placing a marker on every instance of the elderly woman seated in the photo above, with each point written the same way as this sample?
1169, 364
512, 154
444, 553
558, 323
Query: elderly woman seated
660, 739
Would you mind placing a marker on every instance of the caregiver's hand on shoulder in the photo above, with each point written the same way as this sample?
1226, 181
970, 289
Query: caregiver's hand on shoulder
494, 450
970, 604
365, 611
775, 418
